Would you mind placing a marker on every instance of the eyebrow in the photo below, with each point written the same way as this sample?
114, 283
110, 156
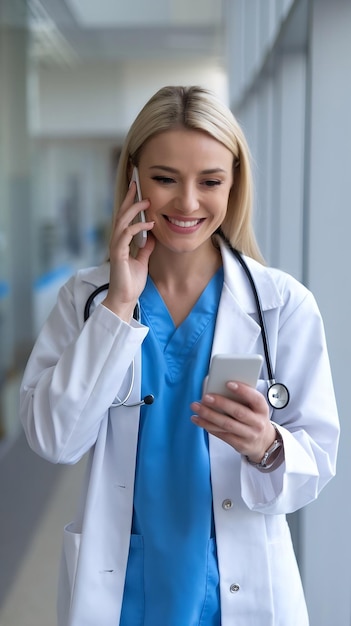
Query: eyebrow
172, 170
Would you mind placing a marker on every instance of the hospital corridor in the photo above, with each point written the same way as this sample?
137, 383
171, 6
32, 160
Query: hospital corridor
31, 598
74, 74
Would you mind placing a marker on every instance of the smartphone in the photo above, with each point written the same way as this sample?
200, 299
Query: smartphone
140, 238
226, 367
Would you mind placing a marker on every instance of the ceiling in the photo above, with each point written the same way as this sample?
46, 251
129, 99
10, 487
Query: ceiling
73, 31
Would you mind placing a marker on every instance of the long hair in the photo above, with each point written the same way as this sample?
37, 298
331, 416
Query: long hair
197, 109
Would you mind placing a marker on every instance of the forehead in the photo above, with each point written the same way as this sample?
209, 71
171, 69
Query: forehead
183, 144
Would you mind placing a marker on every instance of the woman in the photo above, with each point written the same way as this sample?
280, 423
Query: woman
182, 516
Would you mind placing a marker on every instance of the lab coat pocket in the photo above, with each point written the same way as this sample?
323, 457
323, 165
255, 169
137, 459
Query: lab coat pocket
133, 597
71, 543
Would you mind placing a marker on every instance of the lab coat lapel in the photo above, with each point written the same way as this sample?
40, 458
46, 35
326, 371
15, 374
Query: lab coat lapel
237, 327
236, 332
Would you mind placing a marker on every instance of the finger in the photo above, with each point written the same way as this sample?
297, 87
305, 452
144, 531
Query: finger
135, 228
215, 426
222, 405
236, 436
145, 252
211, 419
128, 213
245, 401
130, 201
247, 395
127, 202
230, 418
124, 229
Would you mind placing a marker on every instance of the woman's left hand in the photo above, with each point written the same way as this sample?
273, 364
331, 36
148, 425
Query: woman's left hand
242, 421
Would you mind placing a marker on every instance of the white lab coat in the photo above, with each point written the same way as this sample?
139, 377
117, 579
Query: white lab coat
70, 381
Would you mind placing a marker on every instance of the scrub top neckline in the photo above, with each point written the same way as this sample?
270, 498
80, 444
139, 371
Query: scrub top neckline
155, 306
177, 343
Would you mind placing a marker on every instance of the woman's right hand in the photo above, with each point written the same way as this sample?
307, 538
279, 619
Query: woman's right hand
128, 275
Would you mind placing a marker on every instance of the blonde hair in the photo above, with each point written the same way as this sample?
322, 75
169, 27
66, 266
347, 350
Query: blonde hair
197, 109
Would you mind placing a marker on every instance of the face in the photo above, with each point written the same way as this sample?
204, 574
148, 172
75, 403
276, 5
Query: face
187, 176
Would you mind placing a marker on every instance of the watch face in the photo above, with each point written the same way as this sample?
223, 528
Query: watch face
275, 445
267, 462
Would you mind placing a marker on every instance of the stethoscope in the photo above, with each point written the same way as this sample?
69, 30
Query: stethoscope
277, 393
136, 314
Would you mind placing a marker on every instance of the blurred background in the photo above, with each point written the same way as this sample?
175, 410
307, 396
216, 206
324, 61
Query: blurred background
73, 75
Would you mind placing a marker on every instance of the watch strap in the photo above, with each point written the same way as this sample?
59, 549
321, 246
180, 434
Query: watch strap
269, 456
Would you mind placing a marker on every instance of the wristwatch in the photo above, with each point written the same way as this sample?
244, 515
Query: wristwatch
269, 456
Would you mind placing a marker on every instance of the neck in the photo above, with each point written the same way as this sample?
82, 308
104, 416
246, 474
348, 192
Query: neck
182, 277
173, 268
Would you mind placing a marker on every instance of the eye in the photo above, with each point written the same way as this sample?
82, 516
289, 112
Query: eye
212, 183
164, 180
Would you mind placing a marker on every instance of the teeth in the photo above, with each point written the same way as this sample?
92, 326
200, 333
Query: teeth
183, 224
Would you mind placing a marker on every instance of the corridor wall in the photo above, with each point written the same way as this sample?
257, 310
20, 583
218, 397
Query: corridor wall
289, 74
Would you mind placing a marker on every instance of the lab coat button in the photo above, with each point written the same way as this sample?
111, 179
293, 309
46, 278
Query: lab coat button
227, 504
234, 588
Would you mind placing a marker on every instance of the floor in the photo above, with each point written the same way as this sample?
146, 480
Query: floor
31, 600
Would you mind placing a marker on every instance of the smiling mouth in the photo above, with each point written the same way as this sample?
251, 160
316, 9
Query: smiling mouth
183, 223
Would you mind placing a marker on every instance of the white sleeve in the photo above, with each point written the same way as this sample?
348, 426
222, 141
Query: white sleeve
309, 424
72, 377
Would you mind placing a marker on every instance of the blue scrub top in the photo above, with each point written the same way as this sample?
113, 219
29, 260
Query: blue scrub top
172, 574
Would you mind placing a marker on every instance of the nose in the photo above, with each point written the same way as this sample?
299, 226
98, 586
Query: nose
187, 200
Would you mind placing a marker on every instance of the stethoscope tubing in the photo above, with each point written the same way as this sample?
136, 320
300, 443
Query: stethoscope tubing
91, 299
277, 394
118, 402
258, 303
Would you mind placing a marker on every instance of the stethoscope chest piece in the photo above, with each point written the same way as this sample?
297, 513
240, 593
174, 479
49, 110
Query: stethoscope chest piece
278, 396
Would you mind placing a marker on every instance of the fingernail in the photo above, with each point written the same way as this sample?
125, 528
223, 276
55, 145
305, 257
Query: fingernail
209, 398
233, 386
